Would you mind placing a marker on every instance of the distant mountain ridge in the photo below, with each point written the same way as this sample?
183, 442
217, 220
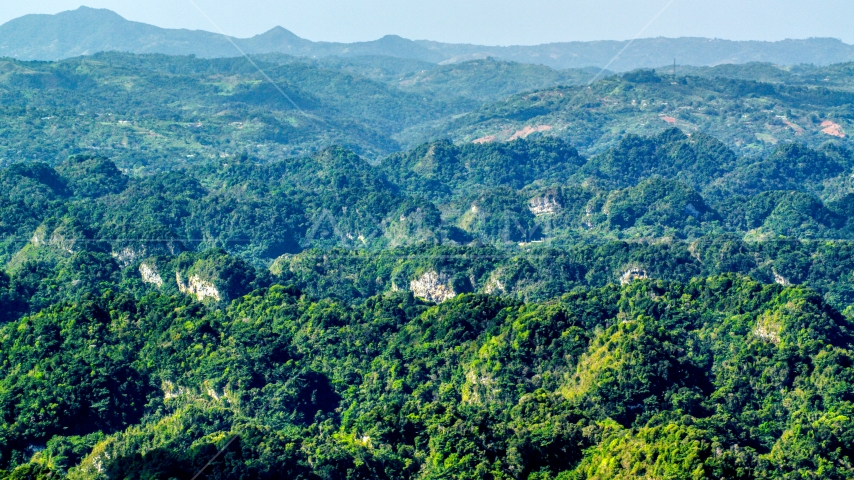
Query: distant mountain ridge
86, 31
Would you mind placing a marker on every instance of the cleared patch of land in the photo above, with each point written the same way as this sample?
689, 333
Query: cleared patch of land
529, 130
832, 128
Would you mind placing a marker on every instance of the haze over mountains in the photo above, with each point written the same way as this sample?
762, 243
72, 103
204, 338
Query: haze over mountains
86, 31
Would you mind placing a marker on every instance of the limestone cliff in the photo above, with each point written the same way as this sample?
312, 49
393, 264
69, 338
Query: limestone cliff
150, 275
195, 286
545, 205
433, 287
494, 286
633, 274
128, 255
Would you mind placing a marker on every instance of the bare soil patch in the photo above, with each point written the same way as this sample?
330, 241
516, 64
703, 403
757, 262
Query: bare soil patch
794, 126
832, 128
527, 131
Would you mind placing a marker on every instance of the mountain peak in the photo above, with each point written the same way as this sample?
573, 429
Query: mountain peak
90, 13
87, 31
394, 40
279, 32
84, 8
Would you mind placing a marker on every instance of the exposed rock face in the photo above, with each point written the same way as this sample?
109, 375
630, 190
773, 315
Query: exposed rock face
479, 388
39, 238
127, 255
494, 286
170, 390
150, 275
529, 130
588, 215
61, 238
545, 205
633, 274
56, 239
768, 329
201, 289
692, 249
433, 287
832, 129
781, 280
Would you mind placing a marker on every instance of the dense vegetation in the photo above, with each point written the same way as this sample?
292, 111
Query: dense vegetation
155, 112
152, 113
342, 373
669, 305
721, 377
747, 115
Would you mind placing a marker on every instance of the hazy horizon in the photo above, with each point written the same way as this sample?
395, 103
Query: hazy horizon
497, 22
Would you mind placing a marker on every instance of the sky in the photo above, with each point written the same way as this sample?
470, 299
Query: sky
485, 22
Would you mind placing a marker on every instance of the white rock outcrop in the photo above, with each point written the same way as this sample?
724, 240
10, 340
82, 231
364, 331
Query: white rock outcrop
195, 286
127, 255
781, 280
150, 275
170, 390
768, 329
38, 238
494, 286
433, 287
633, 274
545, 205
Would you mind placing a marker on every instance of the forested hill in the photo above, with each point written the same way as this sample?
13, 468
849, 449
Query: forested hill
666, 198
746, 114
157, 112
153, 113
577, 317
87, 31
645, 277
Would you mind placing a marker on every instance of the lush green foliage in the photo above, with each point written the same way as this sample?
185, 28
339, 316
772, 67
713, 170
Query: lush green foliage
667, 306
87, 224
716, 377
747, 115
152, 113
156, 112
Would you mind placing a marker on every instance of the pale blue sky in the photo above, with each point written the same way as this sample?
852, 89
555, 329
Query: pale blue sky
491, 22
